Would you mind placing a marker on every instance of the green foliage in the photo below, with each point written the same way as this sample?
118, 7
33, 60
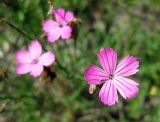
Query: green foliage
129, 26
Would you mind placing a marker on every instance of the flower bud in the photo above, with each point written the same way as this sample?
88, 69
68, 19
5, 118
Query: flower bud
92, 89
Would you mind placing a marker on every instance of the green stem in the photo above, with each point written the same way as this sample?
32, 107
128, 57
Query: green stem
16, 28
4, 97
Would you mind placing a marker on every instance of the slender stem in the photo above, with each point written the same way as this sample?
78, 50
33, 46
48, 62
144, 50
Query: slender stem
69, 52
16, 98
75, 48
121, 111
16, 28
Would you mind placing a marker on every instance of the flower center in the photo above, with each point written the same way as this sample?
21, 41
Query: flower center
60, 25
110, 76
35, 61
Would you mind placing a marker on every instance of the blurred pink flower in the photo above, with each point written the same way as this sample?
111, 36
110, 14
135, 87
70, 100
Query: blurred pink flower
112, 76
33, 61
60, 27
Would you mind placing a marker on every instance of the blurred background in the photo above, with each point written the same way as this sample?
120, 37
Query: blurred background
129, 26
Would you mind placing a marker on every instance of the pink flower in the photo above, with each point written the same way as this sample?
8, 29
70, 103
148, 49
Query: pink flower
112, 76
33, 61
60, 27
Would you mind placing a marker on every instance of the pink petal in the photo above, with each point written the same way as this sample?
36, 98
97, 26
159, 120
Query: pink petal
49, 25
23, 56
108, 58
35, 49
60, 16
129, 81
126, 87
47, 59
127, 66
23, 68
69, 16
66, 32
95, 75
54, 35
108, 93
36, 70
